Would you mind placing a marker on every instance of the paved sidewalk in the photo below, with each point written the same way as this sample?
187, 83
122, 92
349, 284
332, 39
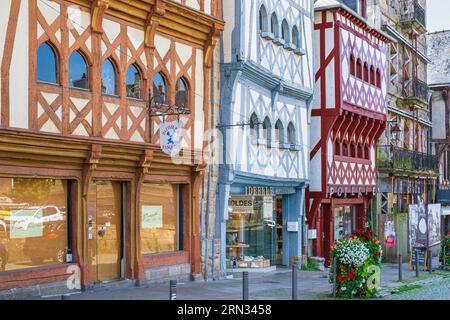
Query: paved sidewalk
262, 286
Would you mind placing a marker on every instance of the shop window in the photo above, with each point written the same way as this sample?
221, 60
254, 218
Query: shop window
267, 130
78, 71
159, 89
109, 78
161, 218
182, 94
372, 76
47, 64
292, 139
263, 27
34, 222
352, 65
285, 32
366, 72
254, 124
378, 78
359, 69
274, 25
279, 131
134, 82
296, 37
337, 148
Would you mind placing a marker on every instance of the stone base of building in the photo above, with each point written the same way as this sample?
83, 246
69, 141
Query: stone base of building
180, 272
39, 290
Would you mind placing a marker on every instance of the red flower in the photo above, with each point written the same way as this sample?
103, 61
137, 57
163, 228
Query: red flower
377, 253
339, 278
346, 279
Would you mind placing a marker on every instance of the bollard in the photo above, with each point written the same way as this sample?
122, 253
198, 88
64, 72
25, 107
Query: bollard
294, 282
417, 263
334, 277
399, 267
245, 285
444, 258
173, 290
430, 266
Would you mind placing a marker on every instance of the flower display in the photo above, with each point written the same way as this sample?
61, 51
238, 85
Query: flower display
355, 257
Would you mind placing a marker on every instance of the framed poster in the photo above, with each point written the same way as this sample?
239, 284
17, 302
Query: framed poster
389, 234
152, 217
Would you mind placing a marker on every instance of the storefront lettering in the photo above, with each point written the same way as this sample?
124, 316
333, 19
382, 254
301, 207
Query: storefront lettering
351, 190
258, 191
240, 203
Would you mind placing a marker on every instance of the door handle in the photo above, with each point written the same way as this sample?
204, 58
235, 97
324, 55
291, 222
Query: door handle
101, 231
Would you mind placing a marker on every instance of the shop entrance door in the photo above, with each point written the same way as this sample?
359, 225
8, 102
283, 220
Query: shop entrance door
105, 230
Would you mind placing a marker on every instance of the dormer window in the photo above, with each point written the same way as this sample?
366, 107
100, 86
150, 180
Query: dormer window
359, 6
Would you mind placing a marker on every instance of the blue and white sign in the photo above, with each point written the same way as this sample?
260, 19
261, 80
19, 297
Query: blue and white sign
170, 137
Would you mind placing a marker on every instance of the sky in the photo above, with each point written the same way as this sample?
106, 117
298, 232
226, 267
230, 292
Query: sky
438, 15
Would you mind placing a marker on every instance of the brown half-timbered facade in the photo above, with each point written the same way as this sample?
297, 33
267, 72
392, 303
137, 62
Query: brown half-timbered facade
81, 170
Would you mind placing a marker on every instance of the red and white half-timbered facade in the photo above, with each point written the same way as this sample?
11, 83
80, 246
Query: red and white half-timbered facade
348, 116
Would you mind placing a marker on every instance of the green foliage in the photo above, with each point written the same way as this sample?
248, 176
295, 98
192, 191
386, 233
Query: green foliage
309, 265
353, 280
445, 244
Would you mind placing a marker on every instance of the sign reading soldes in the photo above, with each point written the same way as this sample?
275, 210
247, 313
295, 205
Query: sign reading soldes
241, 202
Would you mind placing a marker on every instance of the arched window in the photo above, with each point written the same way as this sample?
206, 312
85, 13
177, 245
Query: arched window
366, 152
274, 25
254, 124
47, 64
279, 131
372, 75
337, 148
378, 78
159, 88
366, 72
78, 71
181, 95
360, 151
267, 129
359, 69
109, 78
134, 82
285, 33
296, 37
291, 134
352, 65
352, 150
263, 27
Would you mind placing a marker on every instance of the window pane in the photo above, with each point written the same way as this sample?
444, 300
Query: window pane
133, 82
159, 84
159, 205
108, 78
33, 222
78, 75
46, 64
181, 97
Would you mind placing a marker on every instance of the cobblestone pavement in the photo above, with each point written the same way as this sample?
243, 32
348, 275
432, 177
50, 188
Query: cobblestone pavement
271, 286
437, 290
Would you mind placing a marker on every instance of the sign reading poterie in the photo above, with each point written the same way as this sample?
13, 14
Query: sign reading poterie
170, 137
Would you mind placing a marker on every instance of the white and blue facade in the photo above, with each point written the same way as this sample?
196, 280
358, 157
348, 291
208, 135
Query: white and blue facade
266, 91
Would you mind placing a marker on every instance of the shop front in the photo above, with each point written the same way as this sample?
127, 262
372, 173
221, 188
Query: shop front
263, 227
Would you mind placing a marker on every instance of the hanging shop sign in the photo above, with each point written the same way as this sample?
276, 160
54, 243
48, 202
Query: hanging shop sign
170, 137
389, 234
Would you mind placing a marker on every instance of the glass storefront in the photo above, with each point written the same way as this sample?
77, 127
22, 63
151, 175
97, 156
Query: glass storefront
251, 239
160, 222
33, 222
344, 221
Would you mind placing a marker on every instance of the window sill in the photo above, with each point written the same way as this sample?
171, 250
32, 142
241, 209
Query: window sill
110, 96
279, 41
300, 51
351, 159
81, 89
295, 147
285, 146
267, 35
135, 99
58, 85
288, 47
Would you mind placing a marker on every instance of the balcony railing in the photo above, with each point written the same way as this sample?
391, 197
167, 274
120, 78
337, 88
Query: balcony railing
413, 12
419, 90
394, 158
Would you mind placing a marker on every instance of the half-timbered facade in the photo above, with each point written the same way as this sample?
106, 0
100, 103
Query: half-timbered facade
85, 188
348, 116
266, 92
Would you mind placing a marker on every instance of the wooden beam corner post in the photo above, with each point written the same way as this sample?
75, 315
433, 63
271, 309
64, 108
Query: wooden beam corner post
197, 180
89, 167
135, 220
153, 19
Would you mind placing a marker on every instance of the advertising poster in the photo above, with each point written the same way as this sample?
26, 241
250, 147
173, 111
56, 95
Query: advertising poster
389, 234
26, 223
152, 217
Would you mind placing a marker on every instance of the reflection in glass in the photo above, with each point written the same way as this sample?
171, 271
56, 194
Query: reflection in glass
133, 82
159, 208
33, 222
181, 97
46, 64
78, 73
108, 78
338, 223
